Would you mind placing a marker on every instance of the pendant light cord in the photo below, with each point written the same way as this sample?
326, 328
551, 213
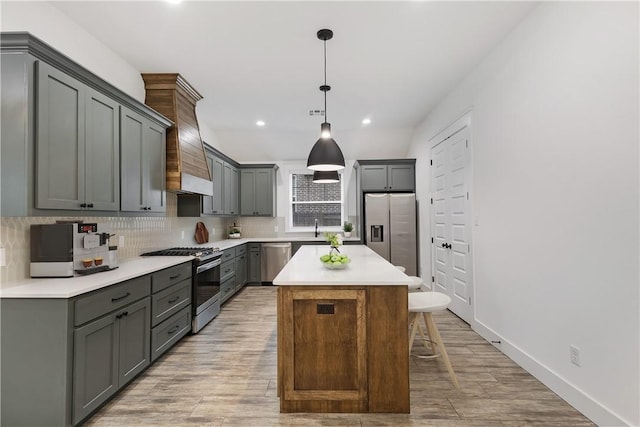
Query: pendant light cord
325, 81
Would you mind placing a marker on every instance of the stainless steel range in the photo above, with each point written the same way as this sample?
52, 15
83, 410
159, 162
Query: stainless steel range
205, 276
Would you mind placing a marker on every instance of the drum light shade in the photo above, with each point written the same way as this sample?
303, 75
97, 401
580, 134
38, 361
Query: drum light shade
325, 177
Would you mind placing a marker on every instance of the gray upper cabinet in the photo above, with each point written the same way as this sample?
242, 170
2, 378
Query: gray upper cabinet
387, 175
143, 164
64, 126
77, 132
230, 189
218, 180
258, 191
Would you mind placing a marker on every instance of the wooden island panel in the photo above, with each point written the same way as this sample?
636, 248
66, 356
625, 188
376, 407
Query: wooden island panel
343, 349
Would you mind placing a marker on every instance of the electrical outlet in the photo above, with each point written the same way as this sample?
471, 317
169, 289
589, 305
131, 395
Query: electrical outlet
574, 355
3, 259
121, 241
182, 234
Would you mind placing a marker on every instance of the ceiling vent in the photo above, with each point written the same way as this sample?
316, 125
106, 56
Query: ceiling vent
187, 168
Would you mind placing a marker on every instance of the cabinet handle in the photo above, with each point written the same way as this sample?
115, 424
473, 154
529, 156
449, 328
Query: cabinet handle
173, 330
171, 301
90, 205
121, 315
83, 205
120, 298
174, 277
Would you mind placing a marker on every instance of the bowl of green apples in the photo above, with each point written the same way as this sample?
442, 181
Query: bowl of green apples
335, 261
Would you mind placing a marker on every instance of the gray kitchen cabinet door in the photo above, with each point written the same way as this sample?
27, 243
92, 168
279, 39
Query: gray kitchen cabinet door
207, 201
134, 340
230, 189
374, 177
102, 152
401, 177
218, 186
154, 177
247, 192
60, 140
241, 270
142, 144
264, 192
95, 365
253, 270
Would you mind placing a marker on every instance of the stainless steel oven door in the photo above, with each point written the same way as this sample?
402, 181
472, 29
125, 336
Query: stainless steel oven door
206, 285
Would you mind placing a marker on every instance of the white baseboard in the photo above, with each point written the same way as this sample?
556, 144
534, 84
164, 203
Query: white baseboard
580, 400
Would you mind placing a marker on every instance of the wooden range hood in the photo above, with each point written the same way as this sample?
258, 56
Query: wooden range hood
187, 168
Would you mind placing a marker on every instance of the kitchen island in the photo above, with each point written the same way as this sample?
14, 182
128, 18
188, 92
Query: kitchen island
342, 334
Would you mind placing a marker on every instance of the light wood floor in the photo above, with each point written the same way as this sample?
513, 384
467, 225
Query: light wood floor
226, 376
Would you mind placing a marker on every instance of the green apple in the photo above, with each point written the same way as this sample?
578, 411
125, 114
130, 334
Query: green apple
325, 258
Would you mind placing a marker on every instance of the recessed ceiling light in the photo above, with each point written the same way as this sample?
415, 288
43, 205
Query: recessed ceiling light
366, 121
260, 123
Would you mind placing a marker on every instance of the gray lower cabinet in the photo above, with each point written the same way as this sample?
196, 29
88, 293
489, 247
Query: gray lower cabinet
241, 266
143, 164
71, 355
253, 268
258, 191
77, 144
108, 353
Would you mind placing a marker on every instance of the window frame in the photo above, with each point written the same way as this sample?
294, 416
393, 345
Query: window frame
290, 203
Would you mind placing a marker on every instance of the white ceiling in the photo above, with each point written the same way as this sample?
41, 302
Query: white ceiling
390, 61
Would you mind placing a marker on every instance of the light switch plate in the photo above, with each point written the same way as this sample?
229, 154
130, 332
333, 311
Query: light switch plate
121, 241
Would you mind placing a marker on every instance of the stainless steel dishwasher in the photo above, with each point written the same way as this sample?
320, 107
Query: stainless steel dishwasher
272, 258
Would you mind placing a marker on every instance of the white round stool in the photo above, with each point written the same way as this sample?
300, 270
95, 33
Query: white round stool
425, 303
416, 282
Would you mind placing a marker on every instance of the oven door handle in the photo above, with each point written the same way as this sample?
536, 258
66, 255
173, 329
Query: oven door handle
208, 266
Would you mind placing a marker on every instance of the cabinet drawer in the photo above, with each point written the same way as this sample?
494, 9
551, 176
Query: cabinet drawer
169, 332
169, 301
111, 298
227, 270
227, 289
228, 254
241, 250
170, 276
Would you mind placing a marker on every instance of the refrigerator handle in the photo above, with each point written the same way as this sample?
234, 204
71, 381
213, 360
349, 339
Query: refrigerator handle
376, 233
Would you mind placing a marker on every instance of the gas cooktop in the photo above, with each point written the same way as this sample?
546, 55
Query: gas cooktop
199, 253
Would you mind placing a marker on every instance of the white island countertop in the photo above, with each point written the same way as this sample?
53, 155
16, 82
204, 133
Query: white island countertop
73, 286
366, 268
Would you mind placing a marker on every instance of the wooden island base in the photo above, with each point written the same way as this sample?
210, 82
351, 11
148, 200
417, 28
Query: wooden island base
343, 349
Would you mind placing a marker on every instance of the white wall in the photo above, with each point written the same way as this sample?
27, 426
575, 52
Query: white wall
56, 29
554, 113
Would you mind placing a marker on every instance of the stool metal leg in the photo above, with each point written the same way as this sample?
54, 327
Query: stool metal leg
435, 335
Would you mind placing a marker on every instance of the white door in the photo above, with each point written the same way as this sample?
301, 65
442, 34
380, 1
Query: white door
450, 221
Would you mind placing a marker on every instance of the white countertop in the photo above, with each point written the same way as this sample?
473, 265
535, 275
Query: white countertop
366, 268
229, 243
73, 286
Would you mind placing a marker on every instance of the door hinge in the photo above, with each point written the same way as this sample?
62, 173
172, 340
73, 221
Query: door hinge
432, 240
433, 279
469, 300
467, 195
466, 141
468, 248
431, 162
432, 200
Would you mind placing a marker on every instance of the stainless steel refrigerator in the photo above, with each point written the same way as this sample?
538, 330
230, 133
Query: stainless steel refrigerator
390, 227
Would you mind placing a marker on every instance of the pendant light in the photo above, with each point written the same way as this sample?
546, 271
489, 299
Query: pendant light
325, 154
325, 177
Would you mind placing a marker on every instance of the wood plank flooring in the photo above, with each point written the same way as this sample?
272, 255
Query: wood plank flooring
226, 376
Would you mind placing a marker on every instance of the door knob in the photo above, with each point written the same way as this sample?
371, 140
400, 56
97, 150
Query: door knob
444, 245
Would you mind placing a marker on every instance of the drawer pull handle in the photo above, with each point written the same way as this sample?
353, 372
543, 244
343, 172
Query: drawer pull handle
171, 301
121, 315
173, 330
174, 277
121, 298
